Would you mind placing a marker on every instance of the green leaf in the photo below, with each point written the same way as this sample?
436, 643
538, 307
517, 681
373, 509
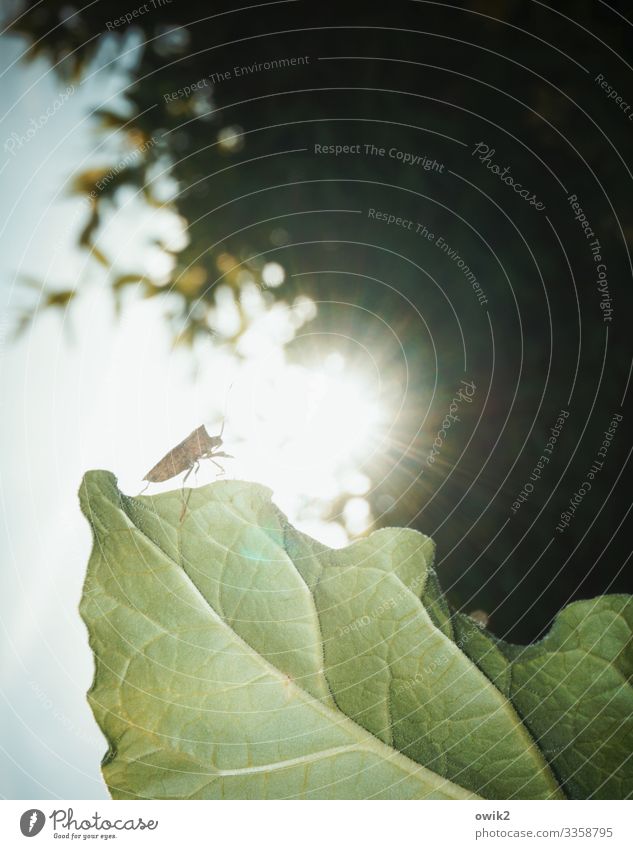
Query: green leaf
238, 658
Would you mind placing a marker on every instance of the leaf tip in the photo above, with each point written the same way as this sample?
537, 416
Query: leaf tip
97, 483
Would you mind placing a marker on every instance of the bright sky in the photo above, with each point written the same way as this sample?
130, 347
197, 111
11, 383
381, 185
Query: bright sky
83, 391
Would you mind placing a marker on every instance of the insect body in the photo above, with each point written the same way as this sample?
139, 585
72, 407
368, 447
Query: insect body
186, 457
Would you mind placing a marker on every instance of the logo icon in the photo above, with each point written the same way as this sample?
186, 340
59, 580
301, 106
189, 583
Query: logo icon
32, 822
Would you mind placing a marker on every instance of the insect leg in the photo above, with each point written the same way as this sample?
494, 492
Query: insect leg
218, 465
185, 501
144, 488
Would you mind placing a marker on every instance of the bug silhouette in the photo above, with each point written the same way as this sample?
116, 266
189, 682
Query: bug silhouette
186, 457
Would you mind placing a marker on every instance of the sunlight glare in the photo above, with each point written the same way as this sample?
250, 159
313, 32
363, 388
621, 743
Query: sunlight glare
306, 433
326, 420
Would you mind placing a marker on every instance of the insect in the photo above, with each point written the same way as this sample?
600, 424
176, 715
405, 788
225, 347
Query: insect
186, 456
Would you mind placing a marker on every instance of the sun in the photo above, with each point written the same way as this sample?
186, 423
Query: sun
325, 419
308, 433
